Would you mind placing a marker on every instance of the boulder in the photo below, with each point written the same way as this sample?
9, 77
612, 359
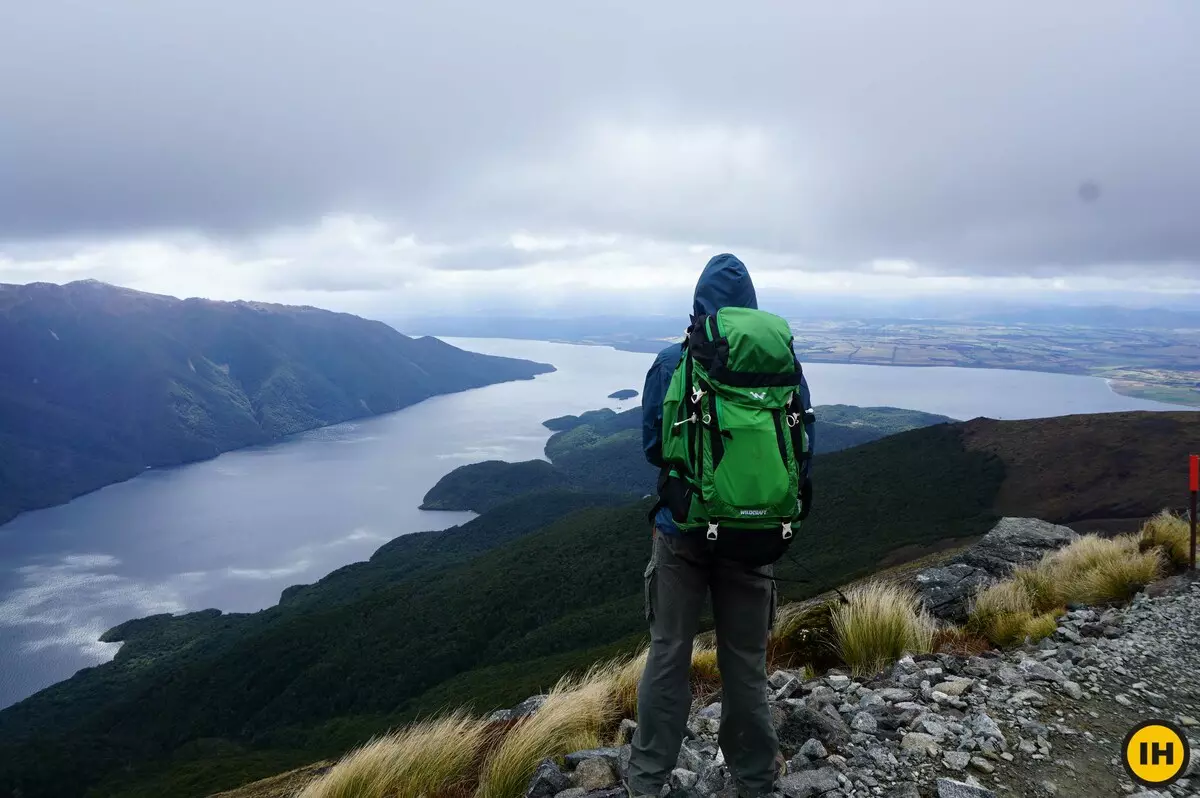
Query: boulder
547, 781
594, 774
577, 758
949, 788
805, 723
1016, 541
946, 590
809, 783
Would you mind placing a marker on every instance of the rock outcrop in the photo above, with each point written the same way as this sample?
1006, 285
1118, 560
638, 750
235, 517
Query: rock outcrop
946, 590
1042, 720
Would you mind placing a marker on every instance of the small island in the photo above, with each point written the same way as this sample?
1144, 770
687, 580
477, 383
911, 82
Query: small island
624, 393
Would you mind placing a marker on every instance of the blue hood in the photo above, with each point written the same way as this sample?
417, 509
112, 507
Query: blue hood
724, 283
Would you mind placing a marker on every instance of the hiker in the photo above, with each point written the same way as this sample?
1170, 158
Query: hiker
743, 458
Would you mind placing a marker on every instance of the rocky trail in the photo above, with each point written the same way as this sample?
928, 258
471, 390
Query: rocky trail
1042, 720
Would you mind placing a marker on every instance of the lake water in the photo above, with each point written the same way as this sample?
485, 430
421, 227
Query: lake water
234, 531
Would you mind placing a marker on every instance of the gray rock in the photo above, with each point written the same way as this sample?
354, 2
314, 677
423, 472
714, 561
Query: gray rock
809, 783
949, 788
1040, 672
982, 765
895, 695
946, 591
1016, 541
931, 725
814, 750
956, 760
919, 743
695, 756
822, 695
787, 689
1010, 677
626, 731
577, 758
547, 782
906, 789
682, 779
594, 774
1029, 697
710, 711
804, 723
611, 792
573, 792
864, 722
838, 682
1072, 689
955, 688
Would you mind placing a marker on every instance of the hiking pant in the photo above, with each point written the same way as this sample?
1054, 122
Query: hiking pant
680, 573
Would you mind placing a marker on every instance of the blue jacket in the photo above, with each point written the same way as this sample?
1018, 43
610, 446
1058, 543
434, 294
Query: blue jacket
723, 283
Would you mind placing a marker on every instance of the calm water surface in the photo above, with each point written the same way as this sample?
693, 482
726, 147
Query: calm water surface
234, 531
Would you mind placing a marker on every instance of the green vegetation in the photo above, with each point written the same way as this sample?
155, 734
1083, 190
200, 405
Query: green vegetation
501, 613
97, 383
602, 450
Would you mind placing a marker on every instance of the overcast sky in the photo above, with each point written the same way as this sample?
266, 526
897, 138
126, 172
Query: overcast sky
401, 157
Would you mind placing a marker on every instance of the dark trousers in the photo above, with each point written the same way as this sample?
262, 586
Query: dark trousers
680, 573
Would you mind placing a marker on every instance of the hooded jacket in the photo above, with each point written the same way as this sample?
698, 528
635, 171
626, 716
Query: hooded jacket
724, 283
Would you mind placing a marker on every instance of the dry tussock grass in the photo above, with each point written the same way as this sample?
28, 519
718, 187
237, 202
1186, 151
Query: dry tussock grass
433, 758
881, 623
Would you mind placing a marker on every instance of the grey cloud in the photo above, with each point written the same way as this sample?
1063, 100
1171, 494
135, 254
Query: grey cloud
954, 135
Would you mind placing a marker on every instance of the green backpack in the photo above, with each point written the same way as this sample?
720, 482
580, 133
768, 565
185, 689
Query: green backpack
733, 436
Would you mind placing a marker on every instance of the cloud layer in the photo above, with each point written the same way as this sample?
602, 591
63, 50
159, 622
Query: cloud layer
915, 141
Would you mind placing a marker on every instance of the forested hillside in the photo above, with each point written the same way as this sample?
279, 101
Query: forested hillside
97, 383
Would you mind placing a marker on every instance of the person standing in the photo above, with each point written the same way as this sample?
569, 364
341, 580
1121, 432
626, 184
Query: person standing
728, 419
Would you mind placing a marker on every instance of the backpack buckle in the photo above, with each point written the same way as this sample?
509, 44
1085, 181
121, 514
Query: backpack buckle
696, 394
787, 530
712, 531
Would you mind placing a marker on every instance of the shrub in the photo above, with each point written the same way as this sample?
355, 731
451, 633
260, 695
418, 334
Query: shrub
573, 717
426, 759
1172, 533
879, 624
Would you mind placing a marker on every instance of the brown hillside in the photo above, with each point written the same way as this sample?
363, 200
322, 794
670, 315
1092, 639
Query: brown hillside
1101, 466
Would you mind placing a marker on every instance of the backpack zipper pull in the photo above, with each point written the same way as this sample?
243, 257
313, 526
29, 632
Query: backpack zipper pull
691, 419
787, 530
697, 394
712, 531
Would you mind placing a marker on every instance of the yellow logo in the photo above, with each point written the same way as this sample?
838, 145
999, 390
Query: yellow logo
1156, 753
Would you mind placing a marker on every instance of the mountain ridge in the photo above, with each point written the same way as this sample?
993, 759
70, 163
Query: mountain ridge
99, 382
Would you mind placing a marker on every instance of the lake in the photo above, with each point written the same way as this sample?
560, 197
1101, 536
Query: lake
235, 531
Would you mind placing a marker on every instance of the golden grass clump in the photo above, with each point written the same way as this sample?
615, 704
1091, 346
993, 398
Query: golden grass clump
626, 678
1119, 578
573, 718
1091, 570
803, 636
425, 759
881, 622
1172, 533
